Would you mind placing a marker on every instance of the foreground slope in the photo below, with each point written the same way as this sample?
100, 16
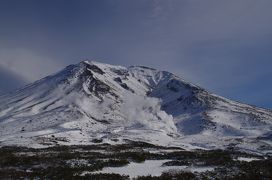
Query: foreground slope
93, 102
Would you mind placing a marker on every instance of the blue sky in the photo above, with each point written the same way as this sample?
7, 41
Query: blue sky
223, 46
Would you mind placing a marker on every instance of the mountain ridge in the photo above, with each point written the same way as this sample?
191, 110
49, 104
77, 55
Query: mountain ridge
92, 100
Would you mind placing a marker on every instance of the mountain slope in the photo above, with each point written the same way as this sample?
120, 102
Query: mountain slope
92, 101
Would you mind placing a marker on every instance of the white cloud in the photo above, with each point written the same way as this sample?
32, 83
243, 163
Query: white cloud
31, 66
147, 112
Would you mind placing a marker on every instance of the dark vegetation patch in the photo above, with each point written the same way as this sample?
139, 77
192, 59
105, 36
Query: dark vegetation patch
170, 176
97, 140
69, 162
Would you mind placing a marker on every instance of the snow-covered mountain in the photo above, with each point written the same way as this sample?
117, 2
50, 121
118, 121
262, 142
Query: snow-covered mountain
90, 102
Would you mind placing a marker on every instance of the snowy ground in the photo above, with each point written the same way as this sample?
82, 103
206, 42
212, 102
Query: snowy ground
150, 167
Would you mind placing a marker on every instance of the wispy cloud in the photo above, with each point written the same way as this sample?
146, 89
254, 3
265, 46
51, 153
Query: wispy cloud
29, 65
9, 81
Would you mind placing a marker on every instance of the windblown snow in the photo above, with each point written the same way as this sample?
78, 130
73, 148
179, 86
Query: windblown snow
93, 101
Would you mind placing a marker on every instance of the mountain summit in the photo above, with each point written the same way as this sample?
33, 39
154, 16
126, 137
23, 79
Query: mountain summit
93, 102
